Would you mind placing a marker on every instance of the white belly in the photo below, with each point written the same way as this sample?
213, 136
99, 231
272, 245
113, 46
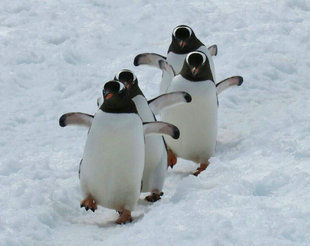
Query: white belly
155, 150
197, 120
113, 160
177, 61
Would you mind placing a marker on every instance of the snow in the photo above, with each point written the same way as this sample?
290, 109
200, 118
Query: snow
55, 56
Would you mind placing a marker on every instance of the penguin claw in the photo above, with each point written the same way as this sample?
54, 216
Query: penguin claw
154, 197
89, 204
200, 169
125, 216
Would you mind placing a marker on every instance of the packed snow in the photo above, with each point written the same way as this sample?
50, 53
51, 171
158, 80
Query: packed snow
56, 55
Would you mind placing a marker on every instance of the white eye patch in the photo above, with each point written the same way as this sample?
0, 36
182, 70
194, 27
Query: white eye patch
196, 53
119, 75
182, 27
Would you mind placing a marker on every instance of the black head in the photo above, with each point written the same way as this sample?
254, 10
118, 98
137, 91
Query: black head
184, 40
196, 67
130, 81
116, 98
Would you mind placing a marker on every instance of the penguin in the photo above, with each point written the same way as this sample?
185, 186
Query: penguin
197, 120
169, 70
183, 42
155, 147
113, 159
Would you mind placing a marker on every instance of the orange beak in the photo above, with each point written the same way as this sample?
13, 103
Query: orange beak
195, 71
109, 96
127, 86
182, 44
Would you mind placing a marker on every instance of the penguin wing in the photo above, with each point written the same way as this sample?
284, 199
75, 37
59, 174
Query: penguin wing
161, 128
224, 84
213, 50
154, 60
168, 100
165, 66
151, 59
76, 118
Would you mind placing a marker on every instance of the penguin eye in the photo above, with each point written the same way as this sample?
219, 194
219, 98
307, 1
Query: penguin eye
182, 32
196, 58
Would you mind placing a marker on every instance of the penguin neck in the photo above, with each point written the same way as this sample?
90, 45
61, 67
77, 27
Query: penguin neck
135, 91
194, 44
120, 106
203, 74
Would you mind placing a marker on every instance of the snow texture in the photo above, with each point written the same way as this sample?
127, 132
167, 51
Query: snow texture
55, 56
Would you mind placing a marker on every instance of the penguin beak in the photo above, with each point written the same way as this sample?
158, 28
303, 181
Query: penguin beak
182, 44
127, 85
195, 71
108, 96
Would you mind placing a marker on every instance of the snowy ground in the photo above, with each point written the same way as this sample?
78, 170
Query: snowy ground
55, 56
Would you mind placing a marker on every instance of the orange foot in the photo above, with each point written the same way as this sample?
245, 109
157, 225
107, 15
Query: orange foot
154, 197
202, 167
125, 216
89, 203
172, 158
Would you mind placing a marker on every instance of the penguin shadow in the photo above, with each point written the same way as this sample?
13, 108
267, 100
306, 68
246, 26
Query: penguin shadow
105, 220
108, 220
182, 169
111, 224
223, 146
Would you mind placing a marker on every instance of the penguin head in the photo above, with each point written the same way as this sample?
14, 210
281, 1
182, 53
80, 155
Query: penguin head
113, 91
130, 81
182, 35
196, 67
184, 40
116, 98
127, 77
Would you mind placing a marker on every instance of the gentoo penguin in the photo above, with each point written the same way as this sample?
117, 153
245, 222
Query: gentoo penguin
113, 159
197, 121
183, 42
155, 147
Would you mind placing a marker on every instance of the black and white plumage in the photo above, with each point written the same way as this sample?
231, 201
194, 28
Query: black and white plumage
113, 159
197, 121
183, 42
155, 148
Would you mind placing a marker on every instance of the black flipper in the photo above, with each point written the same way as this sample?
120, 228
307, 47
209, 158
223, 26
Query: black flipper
168, 100
226, 83
213, 50
161, 128
76, 118
151, 59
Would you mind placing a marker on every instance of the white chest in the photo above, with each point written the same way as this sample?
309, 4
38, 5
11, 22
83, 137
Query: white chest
113, 160
155, 149
197, 121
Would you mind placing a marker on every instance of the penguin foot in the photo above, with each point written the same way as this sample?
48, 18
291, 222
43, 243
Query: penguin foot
172, 159
89, 203
154, 197
202, 167
124, 217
